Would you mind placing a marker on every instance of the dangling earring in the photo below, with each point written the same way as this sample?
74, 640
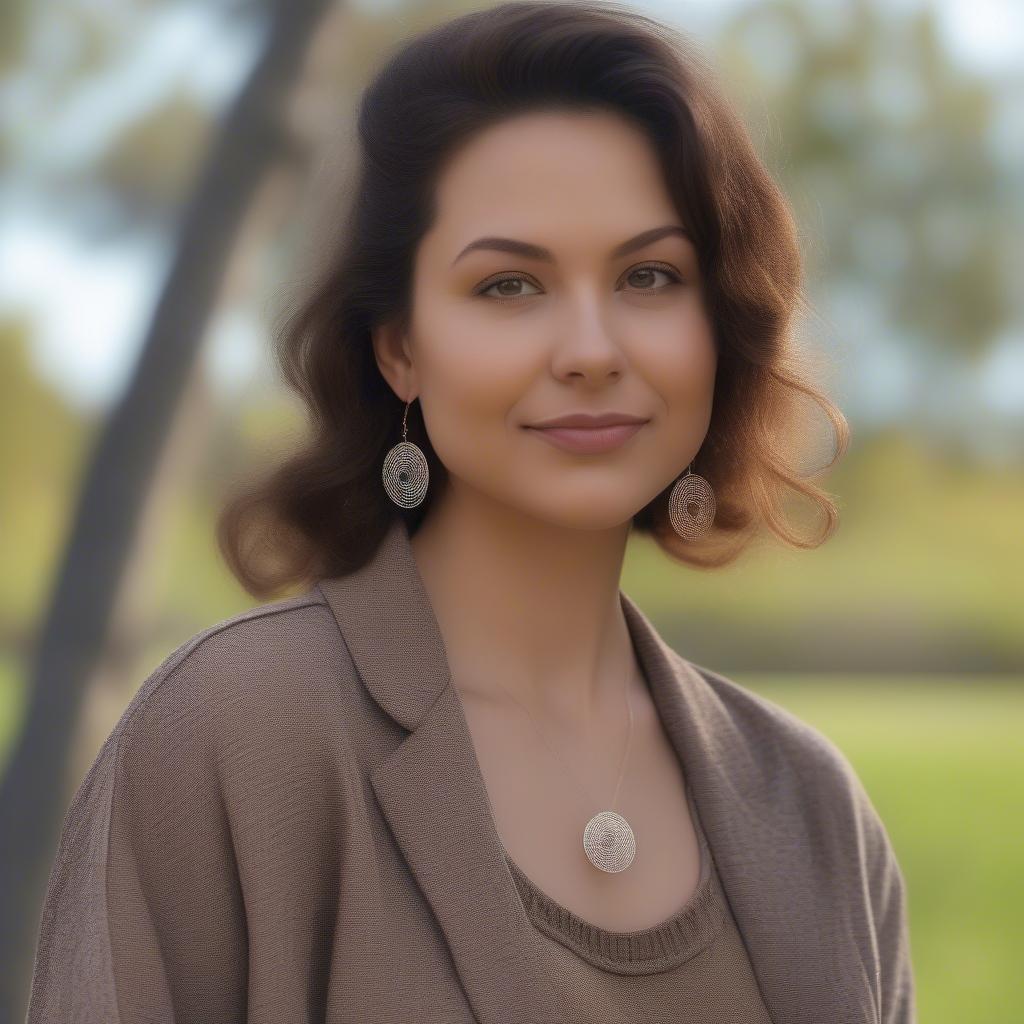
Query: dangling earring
691, 492
405, 472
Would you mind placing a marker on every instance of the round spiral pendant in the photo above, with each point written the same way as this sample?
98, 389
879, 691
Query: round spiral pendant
691, 506
608, 842
405, 474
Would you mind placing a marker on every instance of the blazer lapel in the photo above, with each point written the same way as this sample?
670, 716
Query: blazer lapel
432, 792
784, 901
433, 795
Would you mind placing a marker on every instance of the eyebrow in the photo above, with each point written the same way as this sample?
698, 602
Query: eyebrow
529, 250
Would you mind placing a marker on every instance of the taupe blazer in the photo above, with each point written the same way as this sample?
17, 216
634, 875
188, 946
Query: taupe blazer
289, 824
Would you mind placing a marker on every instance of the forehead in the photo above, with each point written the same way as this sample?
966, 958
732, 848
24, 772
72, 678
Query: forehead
563, 176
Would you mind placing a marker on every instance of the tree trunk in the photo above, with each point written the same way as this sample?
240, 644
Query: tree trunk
252, 136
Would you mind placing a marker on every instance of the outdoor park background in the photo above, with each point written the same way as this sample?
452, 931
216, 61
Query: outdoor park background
143, 262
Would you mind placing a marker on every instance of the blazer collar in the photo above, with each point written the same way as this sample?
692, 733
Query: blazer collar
432, 793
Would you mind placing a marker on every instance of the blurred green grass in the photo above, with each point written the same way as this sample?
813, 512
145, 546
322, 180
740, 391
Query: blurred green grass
943, 763
923, 573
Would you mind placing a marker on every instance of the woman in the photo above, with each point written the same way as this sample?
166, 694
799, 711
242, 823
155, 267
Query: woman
460, 776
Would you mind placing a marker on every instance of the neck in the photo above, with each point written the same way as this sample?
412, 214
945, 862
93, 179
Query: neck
527, 607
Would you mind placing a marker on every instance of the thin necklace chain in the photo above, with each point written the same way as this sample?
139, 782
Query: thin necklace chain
629, 740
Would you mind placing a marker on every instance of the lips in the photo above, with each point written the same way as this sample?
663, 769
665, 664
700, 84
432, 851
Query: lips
585, 420
591, 439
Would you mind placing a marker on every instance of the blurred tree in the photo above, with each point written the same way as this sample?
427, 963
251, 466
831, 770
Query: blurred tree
876, 129
41, 442
251, 139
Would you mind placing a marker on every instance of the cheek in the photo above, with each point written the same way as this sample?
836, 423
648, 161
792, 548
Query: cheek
680, 367
475, 377
472, 385
680, 363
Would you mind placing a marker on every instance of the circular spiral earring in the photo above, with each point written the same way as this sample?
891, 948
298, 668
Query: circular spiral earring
405, 471
691, 505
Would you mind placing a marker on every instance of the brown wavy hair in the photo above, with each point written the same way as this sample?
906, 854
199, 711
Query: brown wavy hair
323, 510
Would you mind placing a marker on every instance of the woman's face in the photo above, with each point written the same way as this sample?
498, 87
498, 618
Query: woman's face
502, 338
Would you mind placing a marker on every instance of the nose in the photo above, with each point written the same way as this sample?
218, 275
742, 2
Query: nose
586, 346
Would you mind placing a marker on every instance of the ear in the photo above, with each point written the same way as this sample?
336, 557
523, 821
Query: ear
394, 359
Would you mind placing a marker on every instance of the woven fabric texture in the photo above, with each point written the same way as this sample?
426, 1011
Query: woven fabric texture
288, 824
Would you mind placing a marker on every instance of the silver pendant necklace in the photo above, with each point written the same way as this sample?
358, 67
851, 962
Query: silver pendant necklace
608, 840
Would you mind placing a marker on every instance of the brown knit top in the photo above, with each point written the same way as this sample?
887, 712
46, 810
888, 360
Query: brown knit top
694, 959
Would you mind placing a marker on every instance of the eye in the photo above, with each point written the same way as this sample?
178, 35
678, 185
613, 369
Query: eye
646, 269
651, 269
508, 278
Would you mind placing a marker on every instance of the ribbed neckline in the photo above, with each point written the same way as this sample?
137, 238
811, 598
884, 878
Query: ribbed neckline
644, 950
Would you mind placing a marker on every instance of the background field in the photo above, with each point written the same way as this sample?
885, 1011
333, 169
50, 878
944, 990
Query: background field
943, 762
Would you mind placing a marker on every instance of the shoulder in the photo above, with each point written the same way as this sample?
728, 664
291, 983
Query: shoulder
768, 724
251, 666
790, 756
261, 695
805, 790
248, 638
